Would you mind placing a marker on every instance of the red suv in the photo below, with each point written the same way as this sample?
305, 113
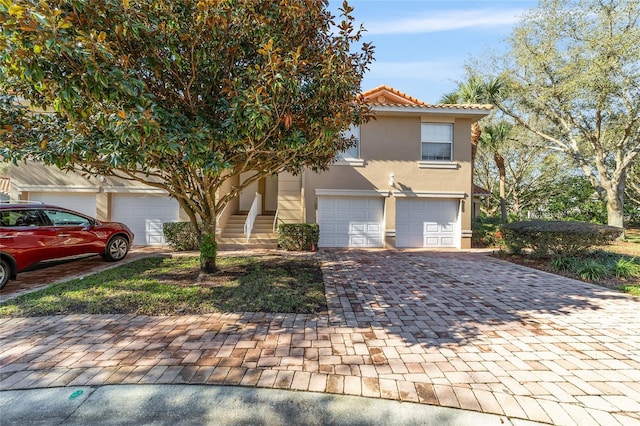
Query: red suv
32, 233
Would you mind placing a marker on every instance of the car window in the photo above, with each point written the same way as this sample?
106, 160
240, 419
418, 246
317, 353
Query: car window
21, 218
60, 218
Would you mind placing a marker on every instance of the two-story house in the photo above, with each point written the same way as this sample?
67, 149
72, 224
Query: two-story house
407, 183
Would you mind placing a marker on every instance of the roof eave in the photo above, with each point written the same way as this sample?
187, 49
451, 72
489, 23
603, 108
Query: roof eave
473, 112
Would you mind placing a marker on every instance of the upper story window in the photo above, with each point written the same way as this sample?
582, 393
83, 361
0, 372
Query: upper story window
437, 141
352, 153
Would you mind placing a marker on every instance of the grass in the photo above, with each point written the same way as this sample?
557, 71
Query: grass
171, 285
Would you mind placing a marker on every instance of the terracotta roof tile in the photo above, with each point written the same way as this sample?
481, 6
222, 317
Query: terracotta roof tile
5, 181
400, 98
388, 96
478, 190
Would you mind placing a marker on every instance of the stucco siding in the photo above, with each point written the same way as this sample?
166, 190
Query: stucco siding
289, 198
391, 144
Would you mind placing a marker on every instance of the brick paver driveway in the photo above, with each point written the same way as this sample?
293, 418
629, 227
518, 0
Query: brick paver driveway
452, 329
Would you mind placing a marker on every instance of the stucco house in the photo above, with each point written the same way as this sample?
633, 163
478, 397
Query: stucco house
407, 183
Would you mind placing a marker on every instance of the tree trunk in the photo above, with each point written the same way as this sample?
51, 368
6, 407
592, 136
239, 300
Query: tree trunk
499, 159
615, 207
208, 248
476, 132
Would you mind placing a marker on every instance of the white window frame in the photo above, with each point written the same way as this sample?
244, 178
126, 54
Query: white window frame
424, 139
347, 157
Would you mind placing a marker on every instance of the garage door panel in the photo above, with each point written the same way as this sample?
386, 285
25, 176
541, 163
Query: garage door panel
431, 242
342, 215
145, 214
426, 223
350, 222
447, 227
356, 228
431, 227
83, 203
374, 228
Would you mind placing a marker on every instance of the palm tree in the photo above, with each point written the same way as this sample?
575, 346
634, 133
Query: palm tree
474, 91
493, 137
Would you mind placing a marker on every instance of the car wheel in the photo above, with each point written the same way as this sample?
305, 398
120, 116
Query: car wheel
116, 248
5, 272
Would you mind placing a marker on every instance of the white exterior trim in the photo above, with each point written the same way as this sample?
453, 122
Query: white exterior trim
353, 162
56, 188
352, 193
429, 194
134, 190
438, 165
431, 110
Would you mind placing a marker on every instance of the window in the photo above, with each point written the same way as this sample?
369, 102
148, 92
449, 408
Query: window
353, 152
22, 218
60, 218
437, 141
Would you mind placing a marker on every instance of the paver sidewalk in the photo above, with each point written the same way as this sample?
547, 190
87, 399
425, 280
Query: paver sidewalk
444, 328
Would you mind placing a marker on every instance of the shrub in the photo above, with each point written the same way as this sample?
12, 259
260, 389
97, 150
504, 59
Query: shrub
626, 268
591, 270
486, 232
561, 263
181, 236
298, 236
557, 237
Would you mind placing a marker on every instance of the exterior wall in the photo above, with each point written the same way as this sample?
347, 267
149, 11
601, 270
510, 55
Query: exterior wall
233, 206
103, 206
391, 144
290, 195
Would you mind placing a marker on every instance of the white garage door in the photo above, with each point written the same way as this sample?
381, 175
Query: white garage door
144, 214
426, 223
351, 222
80, 202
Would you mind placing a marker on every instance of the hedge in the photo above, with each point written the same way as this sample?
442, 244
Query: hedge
181, 236
557, 237
298, 236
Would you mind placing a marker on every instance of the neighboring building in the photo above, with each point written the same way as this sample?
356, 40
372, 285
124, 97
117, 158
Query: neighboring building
143, 208
5, 183
407, 183
478, 194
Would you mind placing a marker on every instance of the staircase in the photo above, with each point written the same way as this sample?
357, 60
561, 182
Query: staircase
262, 236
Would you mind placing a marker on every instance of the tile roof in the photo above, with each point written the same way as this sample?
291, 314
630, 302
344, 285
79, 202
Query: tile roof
478, 190
388, 96
5, 181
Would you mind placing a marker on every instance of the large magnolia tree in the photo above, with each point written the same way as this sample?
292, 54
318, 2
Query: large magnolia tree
572, 77
182, 96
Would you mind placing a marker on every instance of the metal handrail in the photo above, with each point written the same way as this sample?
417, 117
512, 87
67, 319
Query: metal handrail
275, 220
254, 211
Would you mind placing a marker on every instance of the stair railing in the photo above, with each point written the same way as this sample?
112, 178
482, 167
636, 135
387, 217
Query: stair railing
275, 221
254, 211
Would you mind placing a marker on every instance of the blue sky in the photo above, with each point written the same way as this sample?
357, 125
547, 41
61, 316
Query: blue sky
423, 45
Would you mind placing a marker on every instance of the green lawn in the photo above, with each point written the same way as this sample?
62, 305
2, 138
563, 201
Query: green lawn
171, 285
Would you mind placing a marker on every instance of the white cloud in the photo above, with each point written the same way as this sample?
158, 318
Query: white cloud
446, 21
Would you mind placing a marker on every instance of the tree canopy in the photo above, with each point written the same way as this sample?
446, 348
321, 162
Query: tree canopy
181, 95
572, 79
